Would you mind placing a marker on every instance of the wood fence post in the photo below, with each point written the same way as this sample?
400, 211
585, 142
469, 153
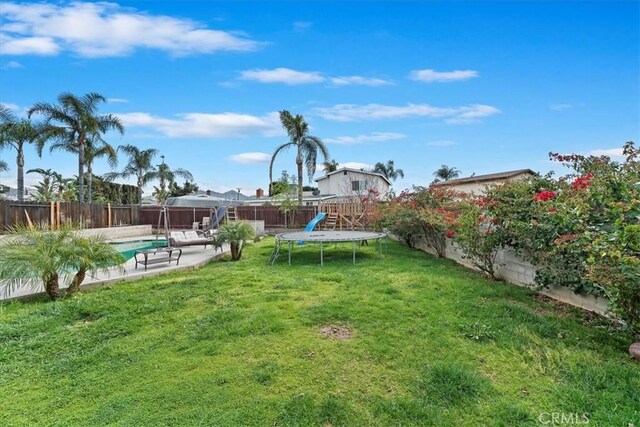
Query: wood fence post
52, 215
109, 214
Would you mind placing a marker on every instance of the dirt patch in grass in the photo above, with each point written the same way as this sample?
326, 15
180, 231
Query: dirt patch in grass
336, 332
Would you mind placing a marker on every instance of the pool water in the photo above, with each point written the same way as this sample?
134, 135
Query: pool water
128, 249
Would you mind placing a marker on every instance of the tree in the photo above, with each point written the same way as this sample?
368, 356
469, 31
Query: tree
139, 165
285, 184
188, 188
3, 166
388, 171
445, 173
48, 188
75, 122
38, 255
236, 233
16, 134
307, 147
330, 166
95, 147
166, 175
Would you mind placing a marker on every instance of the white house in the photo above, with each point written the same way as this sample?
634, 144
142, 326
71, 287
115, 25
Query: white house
346, 182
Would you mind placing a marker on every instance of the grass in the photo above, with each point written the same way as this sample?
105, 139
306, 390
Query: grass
238, 343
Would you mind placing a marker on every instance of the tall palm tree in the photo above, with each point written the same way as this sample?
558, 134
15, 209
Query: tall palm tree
95, 147
75, 121
140, 165
446, 173
307, 147
166, 175
330, 166
16, 134
388, 171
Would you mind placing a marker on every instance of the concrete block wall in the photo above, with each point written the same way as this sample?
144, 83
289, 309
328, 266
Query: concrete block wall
520, 272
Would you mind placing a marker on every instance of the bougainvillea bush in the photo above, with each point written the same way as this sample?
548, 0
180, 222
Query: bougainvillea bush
582, 230
423, 212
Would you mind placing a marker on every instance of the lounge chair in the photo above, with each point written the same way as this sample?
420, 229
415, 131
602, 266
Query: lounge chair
192, 238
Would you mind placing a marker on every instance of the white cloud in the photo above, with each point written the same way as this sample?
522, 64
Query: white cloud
455, 115
250, 158
117, 100
613, 153
430, 76
561, 107
302, 25
282, 75
359, 80
104, 29
441, 143
12, 64
28, 45
361, 139
205, 125
12, 107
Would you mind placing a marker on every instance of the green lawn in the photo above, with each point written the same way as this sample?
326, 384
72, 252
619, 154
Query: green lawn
238, 343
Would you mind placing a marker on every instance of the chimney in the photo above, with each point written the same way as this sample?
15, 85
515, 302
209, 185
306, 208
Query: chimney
259, 193
208, 192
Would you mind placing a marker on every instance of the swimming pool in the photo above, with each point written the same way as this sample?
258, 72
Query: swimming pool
128, 249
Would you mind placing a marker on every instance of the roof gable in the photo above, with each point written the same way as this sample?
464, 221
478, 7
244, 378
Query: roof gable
346, 170
487, 177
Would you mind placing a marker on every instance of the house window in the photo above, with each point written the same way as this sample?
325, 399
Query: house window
359, 185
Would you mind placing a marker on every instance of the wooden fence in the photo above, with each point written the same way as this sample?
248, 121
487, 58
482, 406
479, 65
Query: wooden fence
98, 216
183, 217
13, 213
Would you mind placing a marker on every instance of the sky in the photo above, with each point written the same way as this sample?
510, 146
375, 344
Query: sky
480, 86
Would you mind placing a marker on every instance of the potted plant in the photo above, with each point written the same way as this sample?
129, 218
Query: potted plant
236, 233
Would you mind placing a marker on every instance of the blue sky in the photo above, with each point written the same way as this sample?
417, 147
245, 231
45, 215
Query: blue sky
481, 86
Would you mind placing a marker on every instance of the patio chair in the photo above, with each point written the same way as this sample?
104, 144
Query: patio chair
180, 239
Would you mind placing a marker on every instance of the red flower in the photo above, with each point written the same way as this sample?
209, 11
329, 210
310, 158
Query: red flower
583, 182
543, 196
450, 233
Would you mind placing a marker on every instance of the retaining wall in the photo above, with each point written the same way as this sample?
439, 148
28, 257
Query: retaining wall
514, 270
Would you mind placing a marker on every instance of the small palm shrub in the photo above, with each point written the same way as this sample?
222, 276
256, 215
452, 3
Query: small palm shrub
236, 233
37, 255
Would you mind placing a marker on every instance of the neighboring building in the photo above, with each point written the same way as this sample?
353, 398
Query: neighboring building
346, 182
476, 184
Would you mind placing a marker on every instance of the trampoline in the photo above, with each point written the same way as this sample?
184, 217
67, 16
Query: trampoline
322, 237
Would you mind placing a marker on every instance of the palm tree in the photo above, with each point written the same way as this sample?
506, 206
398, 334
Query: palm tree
330, 166
388, 171
446, 173
3, 166
307, 147
166, 175
89, 255
236, 233
75, 121
48, 189
16, 134
140, 165
95, 147
38, 255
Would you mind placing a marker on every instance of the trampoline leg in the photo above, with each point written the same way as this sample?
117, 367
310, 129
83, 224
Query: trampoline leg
289, 252
321, 255
354, 253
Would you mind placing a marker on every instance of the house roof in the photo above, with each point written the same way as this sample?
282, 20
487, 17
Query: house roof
345, 170
488, 177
